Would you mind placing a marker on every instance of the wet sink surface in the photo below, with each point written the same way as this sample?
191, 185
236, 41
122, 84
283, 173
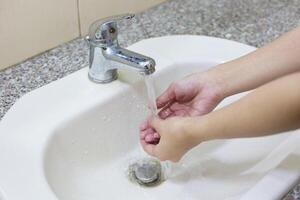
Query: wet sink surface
75, 139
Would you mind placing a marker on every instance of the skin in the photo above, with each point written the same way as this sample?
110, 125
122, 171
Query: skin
272, 108
184, 121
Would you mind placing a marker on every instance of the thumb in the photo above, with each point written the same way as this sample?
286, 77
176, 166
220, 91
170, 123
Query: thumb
156, 123
166, 97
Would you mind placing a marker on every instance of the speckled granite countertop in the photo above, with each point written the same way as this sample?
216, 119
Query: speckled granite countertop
254, 22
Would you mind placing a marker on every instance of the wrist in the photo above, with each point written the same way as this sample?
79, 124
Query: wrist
201, 129
230, 78
215, 83
194, 131
218, 76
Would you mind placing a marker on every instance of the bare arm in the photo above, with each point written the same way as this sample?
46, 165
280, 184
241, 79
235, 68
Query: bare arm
200, 93
272, 108
274, 60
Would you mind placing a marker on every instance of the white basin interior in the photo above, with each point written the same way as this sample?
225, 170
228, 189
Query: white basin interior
75, 139
87, 158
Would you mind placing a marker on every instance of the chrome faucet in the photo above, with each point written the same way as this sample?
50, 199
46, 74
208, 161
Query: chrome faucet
106, 56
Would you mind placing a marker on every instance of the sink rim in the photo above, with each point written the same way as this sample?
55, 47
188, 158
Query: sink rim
27, 150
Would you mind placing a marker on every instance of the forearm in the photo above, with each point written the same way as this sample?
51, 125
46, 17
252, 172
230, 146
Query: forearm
279, 58
270, 109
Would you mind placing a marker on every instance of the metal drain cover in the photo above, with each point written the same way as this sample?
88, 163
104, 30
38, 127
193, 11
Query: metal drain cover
146, 171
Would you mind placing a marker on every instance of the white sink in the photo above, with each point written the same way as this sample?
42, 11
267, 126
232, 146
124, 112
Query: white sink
73, 139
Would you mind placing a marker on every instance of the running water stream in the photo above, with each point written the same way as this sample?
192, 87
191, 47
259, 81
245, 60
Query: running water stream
149, 171
149, 82
151, 94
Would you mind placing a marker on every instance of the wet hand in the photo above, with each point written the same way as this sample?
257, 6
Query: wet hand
166, 139
194, 95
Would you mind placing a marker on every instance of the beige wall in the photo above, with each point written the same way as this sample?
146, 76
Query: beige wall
29, 27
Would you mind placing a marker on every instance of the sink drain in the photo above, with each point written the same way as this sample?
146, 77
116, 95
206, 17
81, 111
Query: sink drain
146, 172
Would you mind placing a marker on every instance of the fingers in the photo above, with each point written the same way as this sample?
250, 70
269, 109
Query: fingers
152, 138
149, 148
149, 137
146, 132
157, 141
165, 112
153, 150
156, 135
156, 151
155, 123
174, 109
177, 106
144, 125
166, 97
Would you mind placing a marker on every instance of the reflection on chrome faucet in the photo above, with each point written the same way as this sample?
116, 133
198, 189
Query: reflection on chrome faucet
106, 56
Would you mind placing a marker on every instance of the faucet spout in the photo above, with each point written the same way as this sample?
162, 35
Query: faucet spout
131, 60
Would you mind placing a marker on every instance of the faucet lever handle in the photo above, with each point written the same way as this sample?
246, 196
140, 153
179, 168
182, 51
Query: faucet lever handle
117, 18
104, 32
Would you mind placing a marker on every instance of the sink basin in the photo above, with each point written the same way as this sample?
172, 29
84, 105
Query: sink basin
73, 139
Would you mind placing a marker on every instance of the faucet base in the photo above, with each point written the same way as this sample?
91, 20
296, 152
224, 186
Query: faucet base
112, 77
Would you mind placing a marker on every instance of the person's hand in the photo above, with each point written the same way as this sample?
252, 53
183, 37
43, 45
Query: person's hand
169, 139
195, 95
